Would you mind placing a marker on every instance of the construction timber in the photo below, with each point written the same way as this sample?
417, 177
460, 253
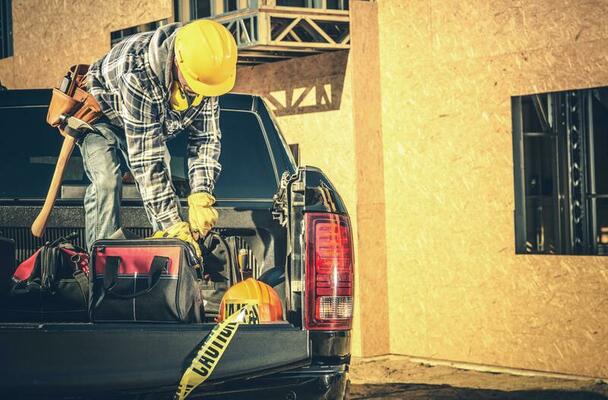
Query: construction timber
275, 33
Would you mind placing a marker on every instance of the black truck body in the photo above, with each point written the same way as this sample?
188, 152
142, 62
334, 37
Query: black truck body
264, 199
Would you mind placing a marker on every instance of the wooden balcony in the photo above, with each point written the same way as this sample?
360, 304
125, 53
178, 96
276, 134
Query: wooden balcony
272, 33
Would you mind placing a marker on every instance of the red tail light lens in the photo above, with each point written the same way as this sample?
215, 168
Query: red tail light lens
329, 272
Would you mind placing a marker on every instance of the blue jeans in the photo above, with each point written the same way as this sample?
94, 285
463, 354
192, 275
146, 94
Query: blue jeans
100, 154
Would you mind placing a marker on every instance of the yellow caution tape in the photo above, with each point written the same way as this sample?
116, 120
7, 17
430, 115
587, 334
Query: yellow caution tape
215, 345
252, 313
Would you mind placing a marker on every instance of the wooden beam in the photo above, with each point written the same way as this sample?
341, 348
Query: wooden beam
260, 60
287, 29
230, 25
236, 15
285, 49
244, 31
264, 31
217, 7
283, 12
184, 11
295, 36
330, 18
320, 31
312, 45
252, 54
247, 64
301, 11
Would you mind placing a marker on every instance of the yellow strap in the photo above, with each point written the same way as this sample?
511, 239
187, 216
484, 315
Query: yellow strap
178, 99
213, 349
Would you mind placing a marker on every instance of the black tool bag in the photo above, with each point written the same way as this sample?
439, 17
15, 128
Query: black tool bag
145, 280
7, 264
50, 286
219, 267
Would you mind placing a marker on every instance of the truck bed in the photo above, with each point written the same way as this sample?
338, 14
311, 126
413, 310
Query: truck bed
87, 358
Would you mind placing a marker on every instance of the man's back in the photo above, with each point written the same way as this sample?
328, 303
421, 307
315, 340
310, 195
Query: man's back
133, 56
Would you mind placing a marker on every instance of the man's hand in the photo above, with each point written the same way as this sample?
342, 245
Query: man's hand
180, 230
201, 214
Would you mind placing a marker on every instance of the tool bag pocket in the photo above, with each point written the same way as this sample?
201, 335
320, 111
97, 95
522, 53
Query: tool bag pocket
145, 280
50, 286
89, 110
219, 271
61, 104
75, 101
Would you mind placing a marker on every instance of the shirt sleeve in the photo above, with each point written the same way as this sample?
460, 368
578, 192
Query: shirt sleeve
204, 148
146, 150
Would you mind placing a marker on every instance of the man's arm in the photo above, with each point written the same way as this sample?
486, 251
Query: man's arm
146, 149
204, 148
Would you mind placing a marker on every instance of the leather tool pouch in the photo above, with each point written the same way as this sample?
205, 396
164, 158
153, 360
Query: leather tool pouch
76, 101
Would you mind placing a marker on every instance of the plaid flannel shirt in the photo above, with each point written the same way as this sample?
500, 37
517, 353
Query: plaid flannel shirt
132, 85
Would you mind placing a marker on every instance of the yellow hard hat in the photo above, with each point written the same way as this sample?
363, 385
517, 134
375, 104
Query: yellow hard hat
206, 56
253, 291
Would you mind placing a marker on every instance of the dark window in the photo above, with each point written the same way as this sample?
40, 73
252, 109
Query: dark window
118, 36
26, 170
177, 13
201, 9
561, 172
337, 4
330, 4
294, 3
230, 5
247, 169
6, 29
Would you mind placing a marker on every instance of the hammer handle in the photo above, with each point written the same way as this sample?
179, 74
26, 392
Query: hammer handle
66, 150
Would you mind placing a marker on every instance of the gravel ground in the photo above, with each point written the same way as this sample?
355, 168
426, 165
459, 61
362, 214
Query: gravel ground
399, 378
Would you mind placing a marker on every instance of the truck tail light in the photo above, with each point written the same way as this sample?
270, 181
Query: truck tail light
329, 272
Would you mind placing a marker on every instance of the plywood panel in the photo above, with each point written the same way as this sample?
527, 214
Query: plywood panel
486, 28
371, 221
49, 36
7, 72
457, 291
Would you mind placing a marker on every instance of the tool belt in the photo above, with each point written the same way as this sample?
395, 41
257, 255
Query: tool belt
72, 100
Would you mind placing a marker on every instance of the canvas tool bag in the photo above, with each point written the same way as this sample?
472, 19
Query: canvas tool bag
74, 101
145, 280
50, 286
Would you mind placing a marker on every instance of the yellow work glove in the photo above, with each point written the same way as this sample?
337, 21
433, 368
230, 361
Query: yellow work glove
180, 230
201, 214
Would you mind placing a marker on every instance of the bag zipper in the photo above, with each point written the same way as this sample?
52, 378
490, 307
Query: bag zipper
190, 253
44, 268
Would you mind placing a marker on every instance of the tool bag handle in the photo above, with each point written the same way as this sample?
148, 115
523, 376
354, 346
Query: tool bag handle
110, 276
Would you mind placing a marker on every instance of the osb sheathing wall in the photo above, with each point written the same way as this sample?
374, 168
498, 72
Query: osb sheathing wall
457, 291
51, 35
372, 279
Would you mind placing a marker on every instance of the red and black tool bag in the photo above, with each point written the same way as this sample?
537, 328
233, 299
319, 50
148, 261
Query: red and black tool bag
145, 280
50, 286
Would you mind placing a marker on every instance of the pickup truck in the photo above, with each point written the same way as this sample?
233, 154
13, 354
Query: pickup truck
290, 219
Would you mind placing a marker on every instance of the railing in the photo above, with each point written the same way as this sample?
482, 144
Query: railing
271, 33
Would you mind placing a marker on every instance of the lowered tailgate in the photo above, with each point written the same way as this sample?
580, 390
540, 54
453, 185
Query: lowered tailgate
89, 358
